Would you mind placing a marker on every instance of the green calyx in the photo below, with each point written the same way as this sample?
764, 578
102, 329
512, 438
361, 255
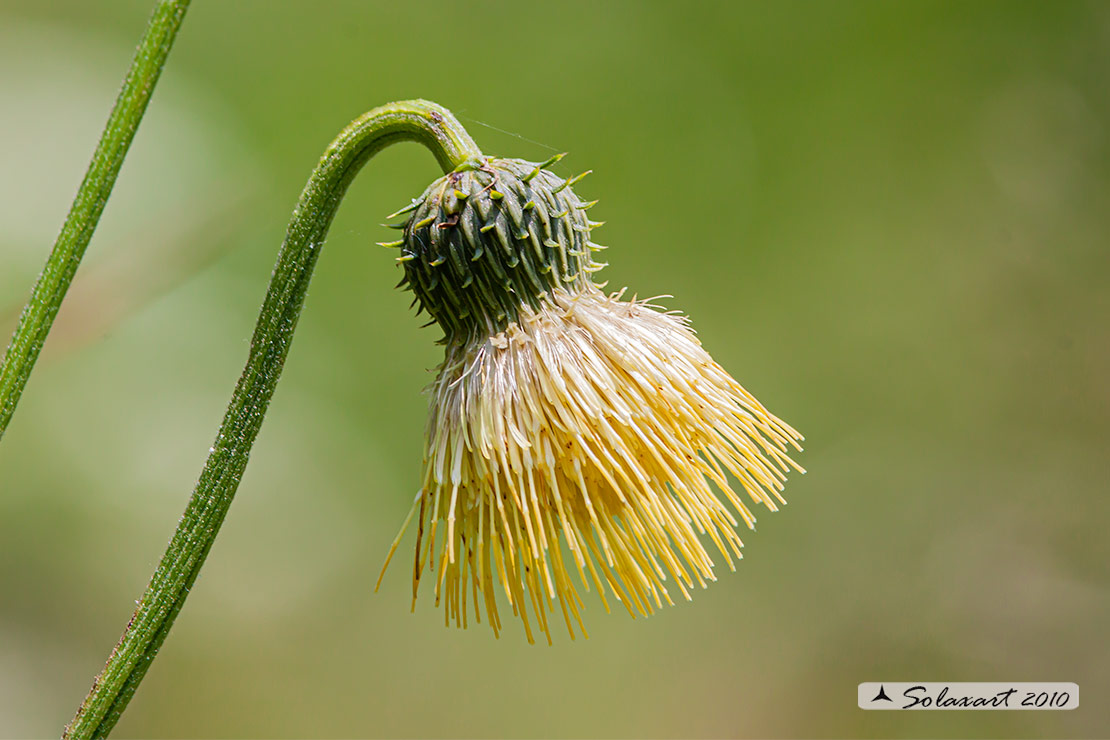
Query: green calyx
491, 237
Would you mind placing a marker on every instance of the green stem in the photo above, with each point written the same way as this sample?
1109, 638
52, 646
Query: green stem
84, 214
413, 120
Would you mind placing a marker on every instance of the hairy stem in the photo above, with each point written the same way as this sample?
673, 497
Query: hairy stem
414, 120
46, 298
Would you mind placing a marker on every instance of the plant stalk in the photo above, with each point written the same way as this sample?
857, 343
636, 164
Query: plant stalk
48, 293
414, 120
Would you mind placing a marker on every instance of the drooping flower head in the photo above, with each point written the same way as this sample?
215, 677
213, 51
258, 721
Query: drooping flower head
576, 440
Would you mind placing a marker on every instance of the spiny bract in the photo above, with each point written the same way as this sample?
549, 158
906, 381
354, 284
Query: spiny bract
575, 438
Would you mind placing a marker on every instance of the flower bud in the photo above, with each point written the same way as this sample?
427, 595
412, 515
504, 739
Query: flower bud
484, 241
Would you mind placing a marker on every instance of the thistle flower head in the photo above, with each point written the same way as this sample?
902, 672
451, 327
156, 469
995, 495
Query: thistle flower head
576, 440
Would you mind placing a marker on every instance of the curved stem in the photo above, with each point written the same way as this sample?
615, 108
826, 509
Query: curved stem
414, 120
84, 214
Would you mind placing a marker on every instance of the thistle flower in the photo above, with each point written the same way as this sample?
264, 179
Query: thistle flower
576, 439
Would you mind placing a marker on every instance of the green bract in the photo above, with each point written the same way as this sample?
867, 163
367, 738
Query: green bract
492, 236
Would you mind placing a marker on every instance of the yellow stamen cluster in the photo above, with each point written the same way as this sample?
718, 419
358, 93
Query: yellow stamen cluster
588, 443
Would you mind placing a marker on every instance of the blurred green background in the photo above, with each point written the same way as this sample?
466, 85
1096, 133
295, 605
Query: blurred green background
889, 221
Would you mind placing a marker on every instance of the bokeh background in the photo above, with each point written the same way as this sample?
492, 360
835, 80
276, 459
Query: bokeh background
889, 220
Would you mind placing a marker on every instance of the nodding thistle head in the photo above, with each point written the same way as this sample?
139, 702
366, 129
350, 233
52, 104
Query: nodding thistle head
491, 237
575, 439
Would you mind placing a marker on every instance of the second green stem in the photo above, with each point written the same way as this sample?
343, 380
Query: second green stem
61, 266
